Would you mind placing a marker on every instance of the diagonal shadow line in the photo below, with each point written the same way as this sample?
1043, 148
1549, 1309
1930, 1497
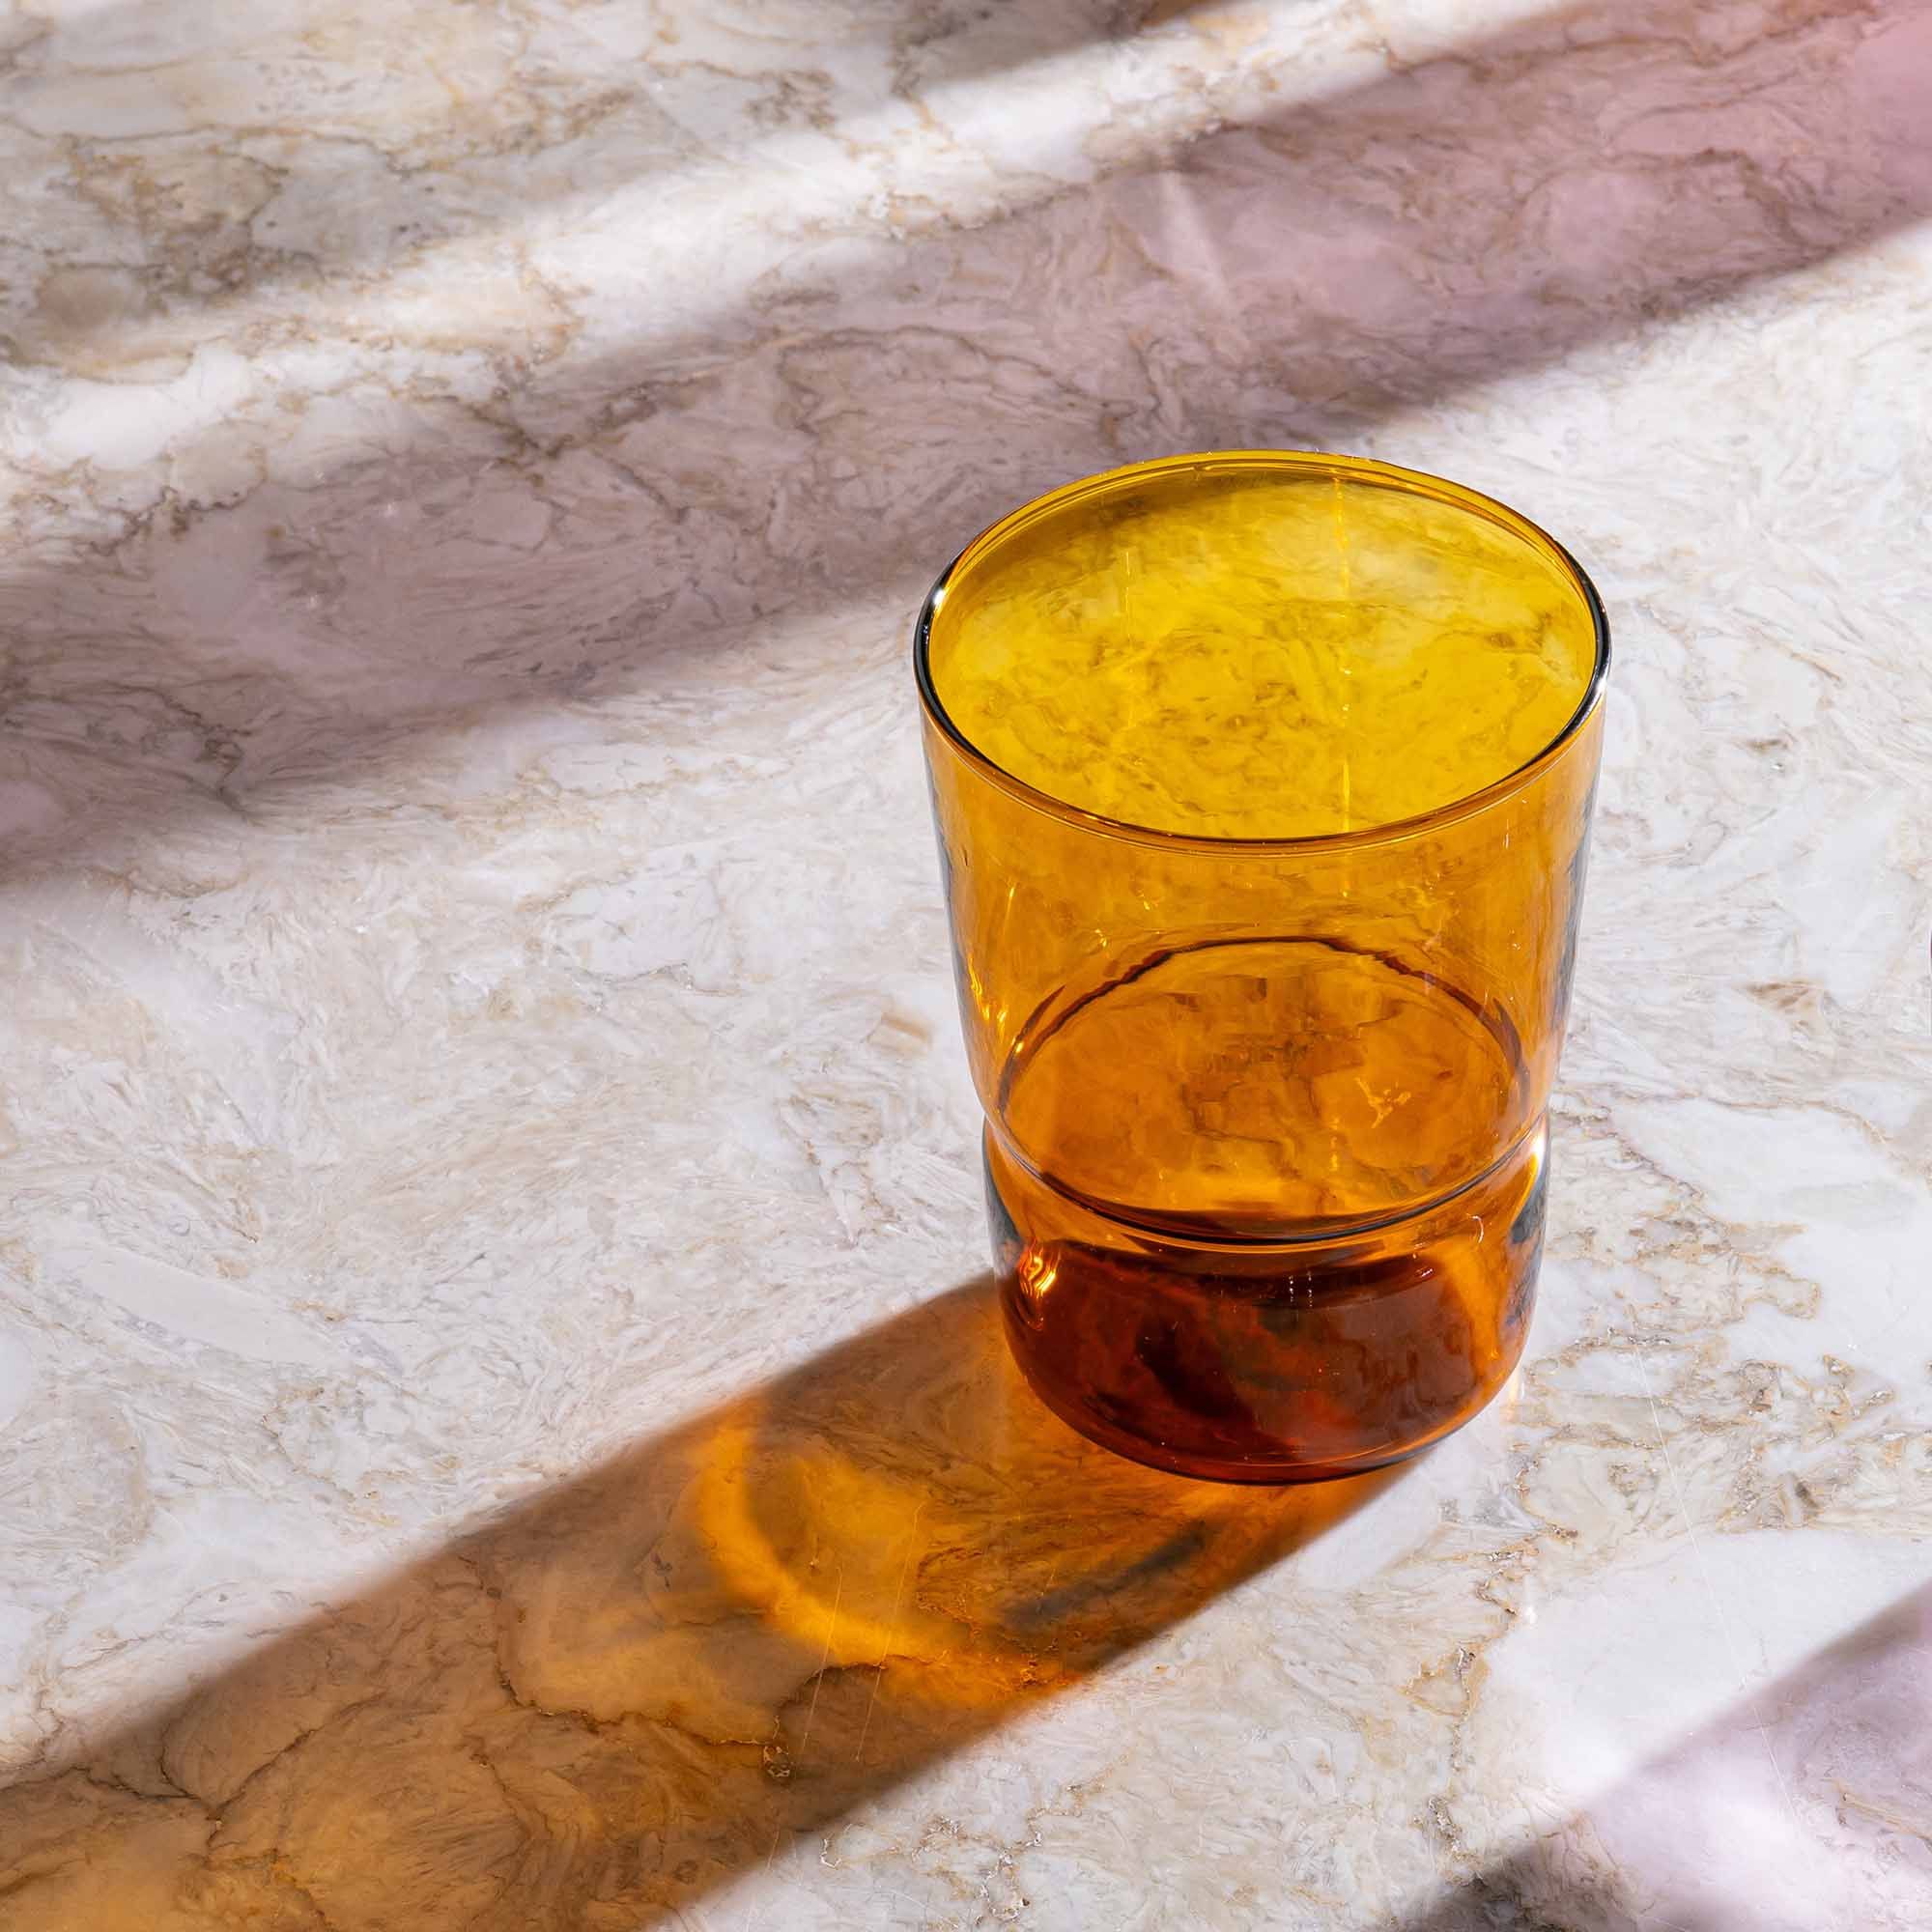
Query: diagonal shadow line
1295, 281
636, 1686
1437, 229
1710, 1835
385, 194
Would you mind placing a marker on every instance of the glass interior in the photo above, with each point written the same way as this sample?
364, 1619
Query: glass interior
1264, 645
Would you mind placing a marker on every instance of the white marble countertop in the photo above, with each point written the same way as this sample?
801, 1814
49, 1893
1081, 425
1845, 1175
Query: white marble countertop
502, 1428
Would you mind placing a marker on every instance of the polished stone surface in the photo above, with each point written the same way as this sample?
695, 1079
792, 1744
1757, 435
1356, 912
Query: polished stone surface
502, 1425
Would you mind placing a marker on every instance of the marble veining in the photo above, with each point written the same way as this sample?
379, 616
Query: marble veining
502, 1425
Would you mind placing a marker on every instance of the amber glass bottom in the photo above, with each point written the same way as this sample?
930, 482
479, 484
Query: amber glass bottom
1276, 1362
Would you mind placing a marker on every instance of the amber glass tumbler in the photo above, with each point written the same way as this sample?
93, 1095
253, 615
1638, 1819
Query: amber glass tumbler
1262, 786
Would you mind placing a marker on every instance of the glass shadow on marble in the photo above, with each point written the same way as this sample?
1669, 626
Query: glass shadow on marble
1745, 1825
632, 1688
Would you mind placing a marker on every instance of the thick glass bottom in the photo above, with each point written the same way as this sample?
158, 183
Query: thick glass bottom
1269, 1362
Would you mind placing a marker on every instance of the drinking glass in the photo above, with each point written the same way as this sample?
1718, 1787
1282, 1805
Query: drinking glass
1263, 786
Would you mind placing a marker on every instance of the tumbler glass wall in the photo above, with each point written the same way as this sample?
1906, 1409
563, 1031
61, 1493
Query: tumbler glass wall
1263, 786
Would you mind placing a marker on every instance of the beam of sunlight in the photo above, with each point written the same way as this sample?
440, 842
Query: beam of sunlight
638, 253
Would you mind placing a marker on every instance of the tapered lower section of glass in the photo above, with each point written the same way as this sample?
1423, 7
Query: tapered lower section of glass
1269, 1362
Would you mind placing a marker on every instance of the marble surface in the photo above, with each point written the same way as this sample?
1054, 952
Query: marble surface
502, 1425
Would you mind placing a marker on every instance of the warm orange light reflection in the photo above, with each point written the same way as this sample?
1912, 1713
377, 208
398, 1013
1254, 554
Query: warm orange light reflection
636, 1686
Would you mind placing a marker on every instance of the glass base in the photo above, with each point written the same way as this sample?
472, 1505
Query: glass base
1269, 1362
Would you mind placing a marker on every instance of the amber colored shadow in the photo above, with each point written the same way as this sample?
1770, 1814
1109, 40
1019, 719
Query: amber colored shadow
636, 1686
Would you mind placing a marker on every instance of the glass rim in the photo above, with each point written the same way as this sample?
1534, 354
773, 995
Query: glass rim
1361, 468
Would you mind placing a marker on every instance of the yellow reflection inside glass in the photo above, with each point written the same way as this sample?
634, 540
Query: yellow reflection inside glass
1261, 650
